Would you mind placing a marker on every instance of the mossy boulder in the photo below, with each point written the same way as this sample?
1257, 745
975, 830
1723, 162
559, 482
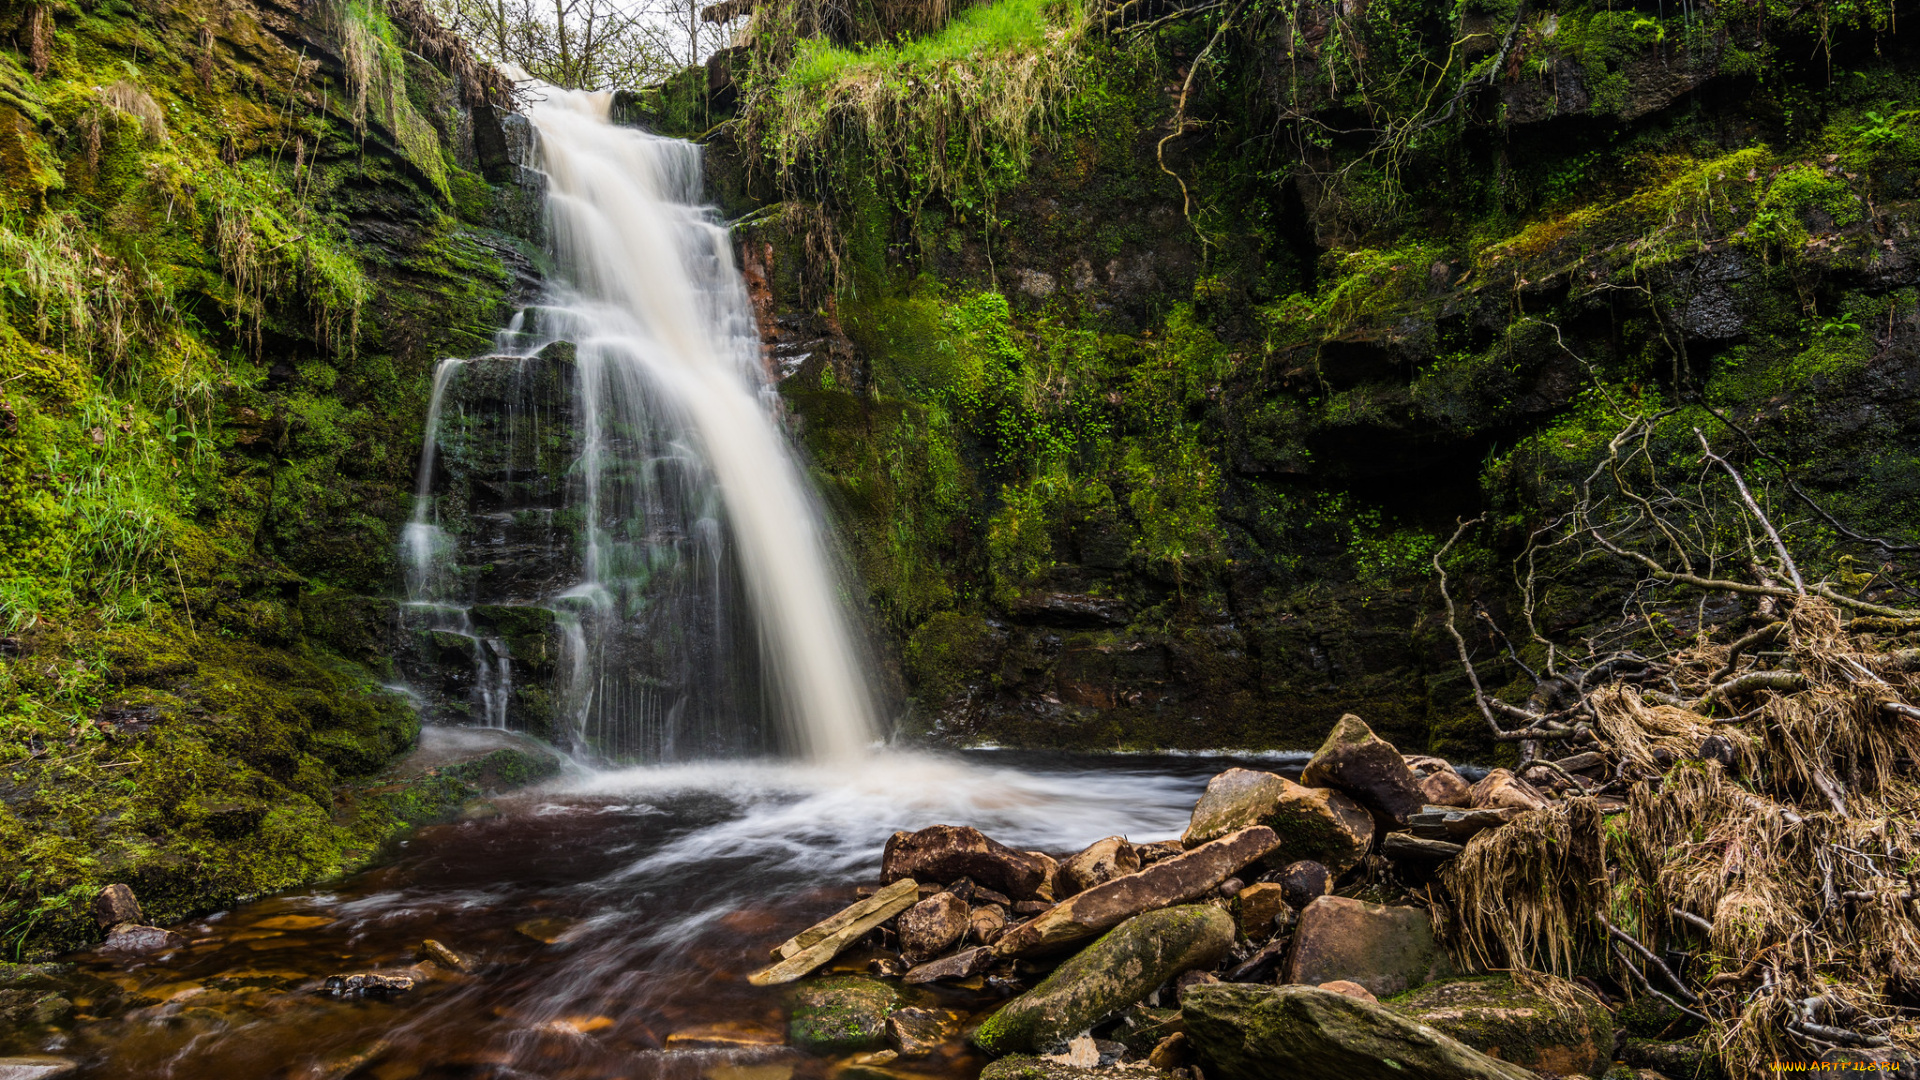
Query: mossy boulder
1547, 1025
841, 1015
1312, 823
1114, 972
1247, 1032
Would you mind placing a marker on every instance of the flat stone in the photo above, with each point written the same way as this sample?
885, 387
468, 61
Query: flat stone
964, 964
884, 896
1506, 1020
1101, 862
1312, 823
1385, 949
1121, 968
725, 1035
1402, 847
1366, 767
946, 853
932, 926
1246, 1032
847, 929
841, 1015
136, 940
369, 984
1458, 825
1171, 881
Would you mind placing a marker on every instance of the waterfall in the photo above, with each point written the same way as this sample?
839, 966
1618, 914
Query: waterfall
697, 613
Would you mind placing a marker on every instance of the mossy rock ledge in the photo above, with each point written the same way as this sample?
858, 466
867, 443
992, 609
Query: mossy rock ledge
1518, 1023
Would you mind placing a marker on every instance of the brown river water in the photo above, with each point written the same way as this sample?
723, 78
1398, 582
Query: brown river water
613, 918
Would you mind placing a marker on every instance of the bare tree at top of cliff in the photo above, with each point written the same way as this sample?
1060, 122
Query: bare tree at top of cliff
588, 44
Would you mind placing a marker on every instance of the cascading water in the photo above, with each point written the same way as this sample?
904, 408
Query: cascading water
698, 614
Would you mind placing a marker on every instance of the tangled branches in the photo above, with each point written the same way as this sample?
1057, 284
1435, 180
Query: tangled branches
1759, 788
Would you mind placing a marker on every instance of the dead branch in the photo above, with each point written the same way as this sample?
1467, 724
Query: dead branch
1739, 483
1762, 636
1658, 964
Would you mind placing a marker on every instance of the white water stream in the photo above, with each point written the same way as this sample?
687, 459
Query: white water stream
688, 494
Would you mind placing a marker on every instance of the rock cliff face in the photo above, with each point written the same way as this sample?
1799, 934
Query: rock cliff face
1146, 437
234, 240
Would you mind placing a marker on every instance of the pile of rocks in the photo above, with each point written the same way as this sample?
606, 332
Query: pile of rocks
1224, 955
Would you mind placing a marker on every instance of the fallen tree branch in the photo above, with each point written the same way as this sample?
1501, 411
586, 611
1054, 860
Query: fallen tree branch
1640, 977
1762, 636
1682, 913
1780, 682
1739, 483
1658, 964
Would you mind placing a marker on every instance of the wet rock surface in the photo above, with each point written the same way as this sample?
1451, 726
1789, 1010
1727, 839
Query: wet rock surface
1362, 765
1112, 973
1258, 1032
1385, 949
1171, 881
946, 853
1550, 1026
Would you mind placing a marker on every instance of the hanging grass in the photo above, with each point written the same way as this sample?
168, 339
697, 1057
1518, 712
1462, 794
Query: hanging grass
956, 113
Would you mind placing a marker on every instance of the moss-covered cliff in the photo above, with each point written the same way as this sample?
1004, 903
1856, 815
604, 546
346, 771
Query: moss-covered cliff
1147, 354
233, 240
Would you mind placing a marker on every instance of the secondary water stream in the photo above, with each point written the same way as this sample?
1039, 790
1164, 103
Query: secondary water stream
613, 914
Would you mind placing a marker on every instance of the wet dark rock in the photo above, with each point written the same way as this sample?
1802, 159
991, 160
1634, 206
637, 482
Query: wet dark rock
945, 853
1258, 905
1417, 851
1311, 823
964, 964
134, 940
915, 1033
1159, 849
932, 926
1719, 749
1071, 609
1457, 825
1173, 881
1385, 949
1246, 1032
1101, 862
1445, 788
1303, 882
1366, 767
1500, 789
368, 984
115, 905
1262, 965
1519, 1024
841, 1015
886, 967
1109, 975
446, 957
1231, 887
986, 923
1030, 907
